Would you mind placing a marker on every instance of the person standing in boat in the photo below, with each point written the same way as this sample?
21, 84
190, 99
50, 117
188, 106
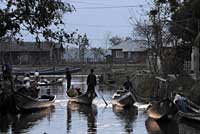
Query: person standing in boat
68, 77
7, 89
180, 101
127, 84
91, 82
7, 80
37, 74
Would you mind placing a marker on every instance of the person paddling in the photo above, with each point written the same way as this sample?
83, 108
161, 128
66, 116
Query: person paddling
91, 82
68, 77
127, 84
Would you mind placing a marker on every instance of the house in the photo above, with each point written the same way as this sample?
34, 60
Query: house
132, 51
28, 53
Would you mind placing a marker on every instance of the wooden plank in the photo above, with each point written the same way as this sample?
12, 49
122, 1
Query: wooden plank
161, 79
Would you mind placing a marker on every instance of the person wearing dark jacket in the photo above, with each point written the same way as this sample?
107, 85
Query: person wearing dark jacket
127, 84
91, 82
68, 77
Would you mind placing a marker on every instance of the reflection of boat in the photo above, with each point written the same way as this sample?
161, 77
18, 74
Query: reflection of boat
88, 111
164, 109
6, 103
27, 103
21, 123
82, 99
123, 99
128, 116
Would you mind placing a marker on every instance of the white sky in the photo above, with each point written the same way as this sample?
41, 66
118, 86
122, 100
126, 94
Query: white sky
98, 22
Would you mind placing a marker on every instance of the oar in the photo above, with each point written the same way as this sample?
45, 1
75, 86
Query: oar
103, 99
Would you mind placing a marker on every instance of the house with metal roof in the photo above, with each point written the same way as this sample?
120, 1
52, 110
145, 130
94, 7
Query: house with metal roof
133, 51
31, 53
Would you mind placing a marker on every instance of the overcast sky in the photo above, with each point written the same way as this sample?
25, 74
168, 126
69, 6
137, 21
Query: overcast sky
100, 18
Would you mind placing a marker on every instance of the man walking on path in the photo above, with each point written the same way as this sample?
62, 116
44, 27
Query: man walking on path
91, 82
68, 77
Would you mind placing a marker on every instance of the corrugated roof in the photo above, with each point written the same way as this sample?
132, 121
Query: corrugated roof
131, 46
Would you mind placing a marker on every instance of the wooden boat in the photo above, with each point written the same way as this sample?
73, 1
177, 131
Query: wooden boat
26, 103
123, 99
19, 71
82, 99
51, 83
61, 71
155, 127
162, 110
192, 114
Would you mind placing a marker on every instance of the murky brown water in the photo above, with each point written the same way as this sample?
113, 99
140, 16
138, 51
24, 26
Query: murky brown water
65, 118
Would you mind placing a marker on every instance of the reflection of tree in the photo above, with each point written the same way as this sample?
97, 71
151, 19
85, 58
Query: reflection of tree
127, 116
21, 123
88, 111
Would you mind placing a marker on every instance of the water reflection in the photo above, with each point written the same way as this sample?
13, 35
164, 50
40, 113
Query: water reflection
89, 112
189, 127
81, 119
22, 122
127, 116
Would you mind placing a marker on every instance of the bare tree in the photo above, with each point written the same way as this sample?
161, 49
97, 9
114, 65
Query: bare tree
156, 32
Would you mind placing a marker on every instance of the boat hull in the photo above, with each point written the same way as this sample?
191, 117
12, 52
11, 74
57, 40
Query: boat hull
82, 99
27, 103
192, 114
48, 72
124, 101
162, 110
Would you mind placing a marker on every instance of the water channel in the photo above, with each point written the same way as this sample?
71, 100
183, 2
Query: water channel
65, 118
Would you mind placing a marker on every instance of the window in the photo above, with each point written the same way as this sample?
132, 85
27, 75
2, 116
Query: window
119, 54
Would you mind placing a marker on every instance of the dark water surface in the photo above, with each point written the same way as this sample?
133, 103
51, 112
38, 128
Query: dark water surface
69, 118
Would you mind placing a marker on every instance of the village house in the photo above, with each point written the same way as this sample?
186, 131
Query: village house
28, 53
131, 51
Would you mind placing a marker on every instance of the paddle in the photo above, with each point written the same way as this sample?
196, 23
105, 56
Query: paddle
103, 99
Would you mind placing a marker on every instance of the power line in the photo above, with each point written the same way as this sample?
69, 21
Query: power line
112, 7
100, 26
89, 3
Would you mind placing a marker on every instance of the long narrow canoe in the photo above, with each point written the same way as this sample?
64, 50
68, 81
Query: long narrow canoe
82, 99
162, 110
123, 99
52, 83
193, 111
61, 71
26, 103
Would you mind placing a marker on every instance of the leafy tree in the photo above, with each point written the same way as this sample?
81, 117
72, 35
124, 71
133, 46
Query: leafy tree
185, 21
39, 17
